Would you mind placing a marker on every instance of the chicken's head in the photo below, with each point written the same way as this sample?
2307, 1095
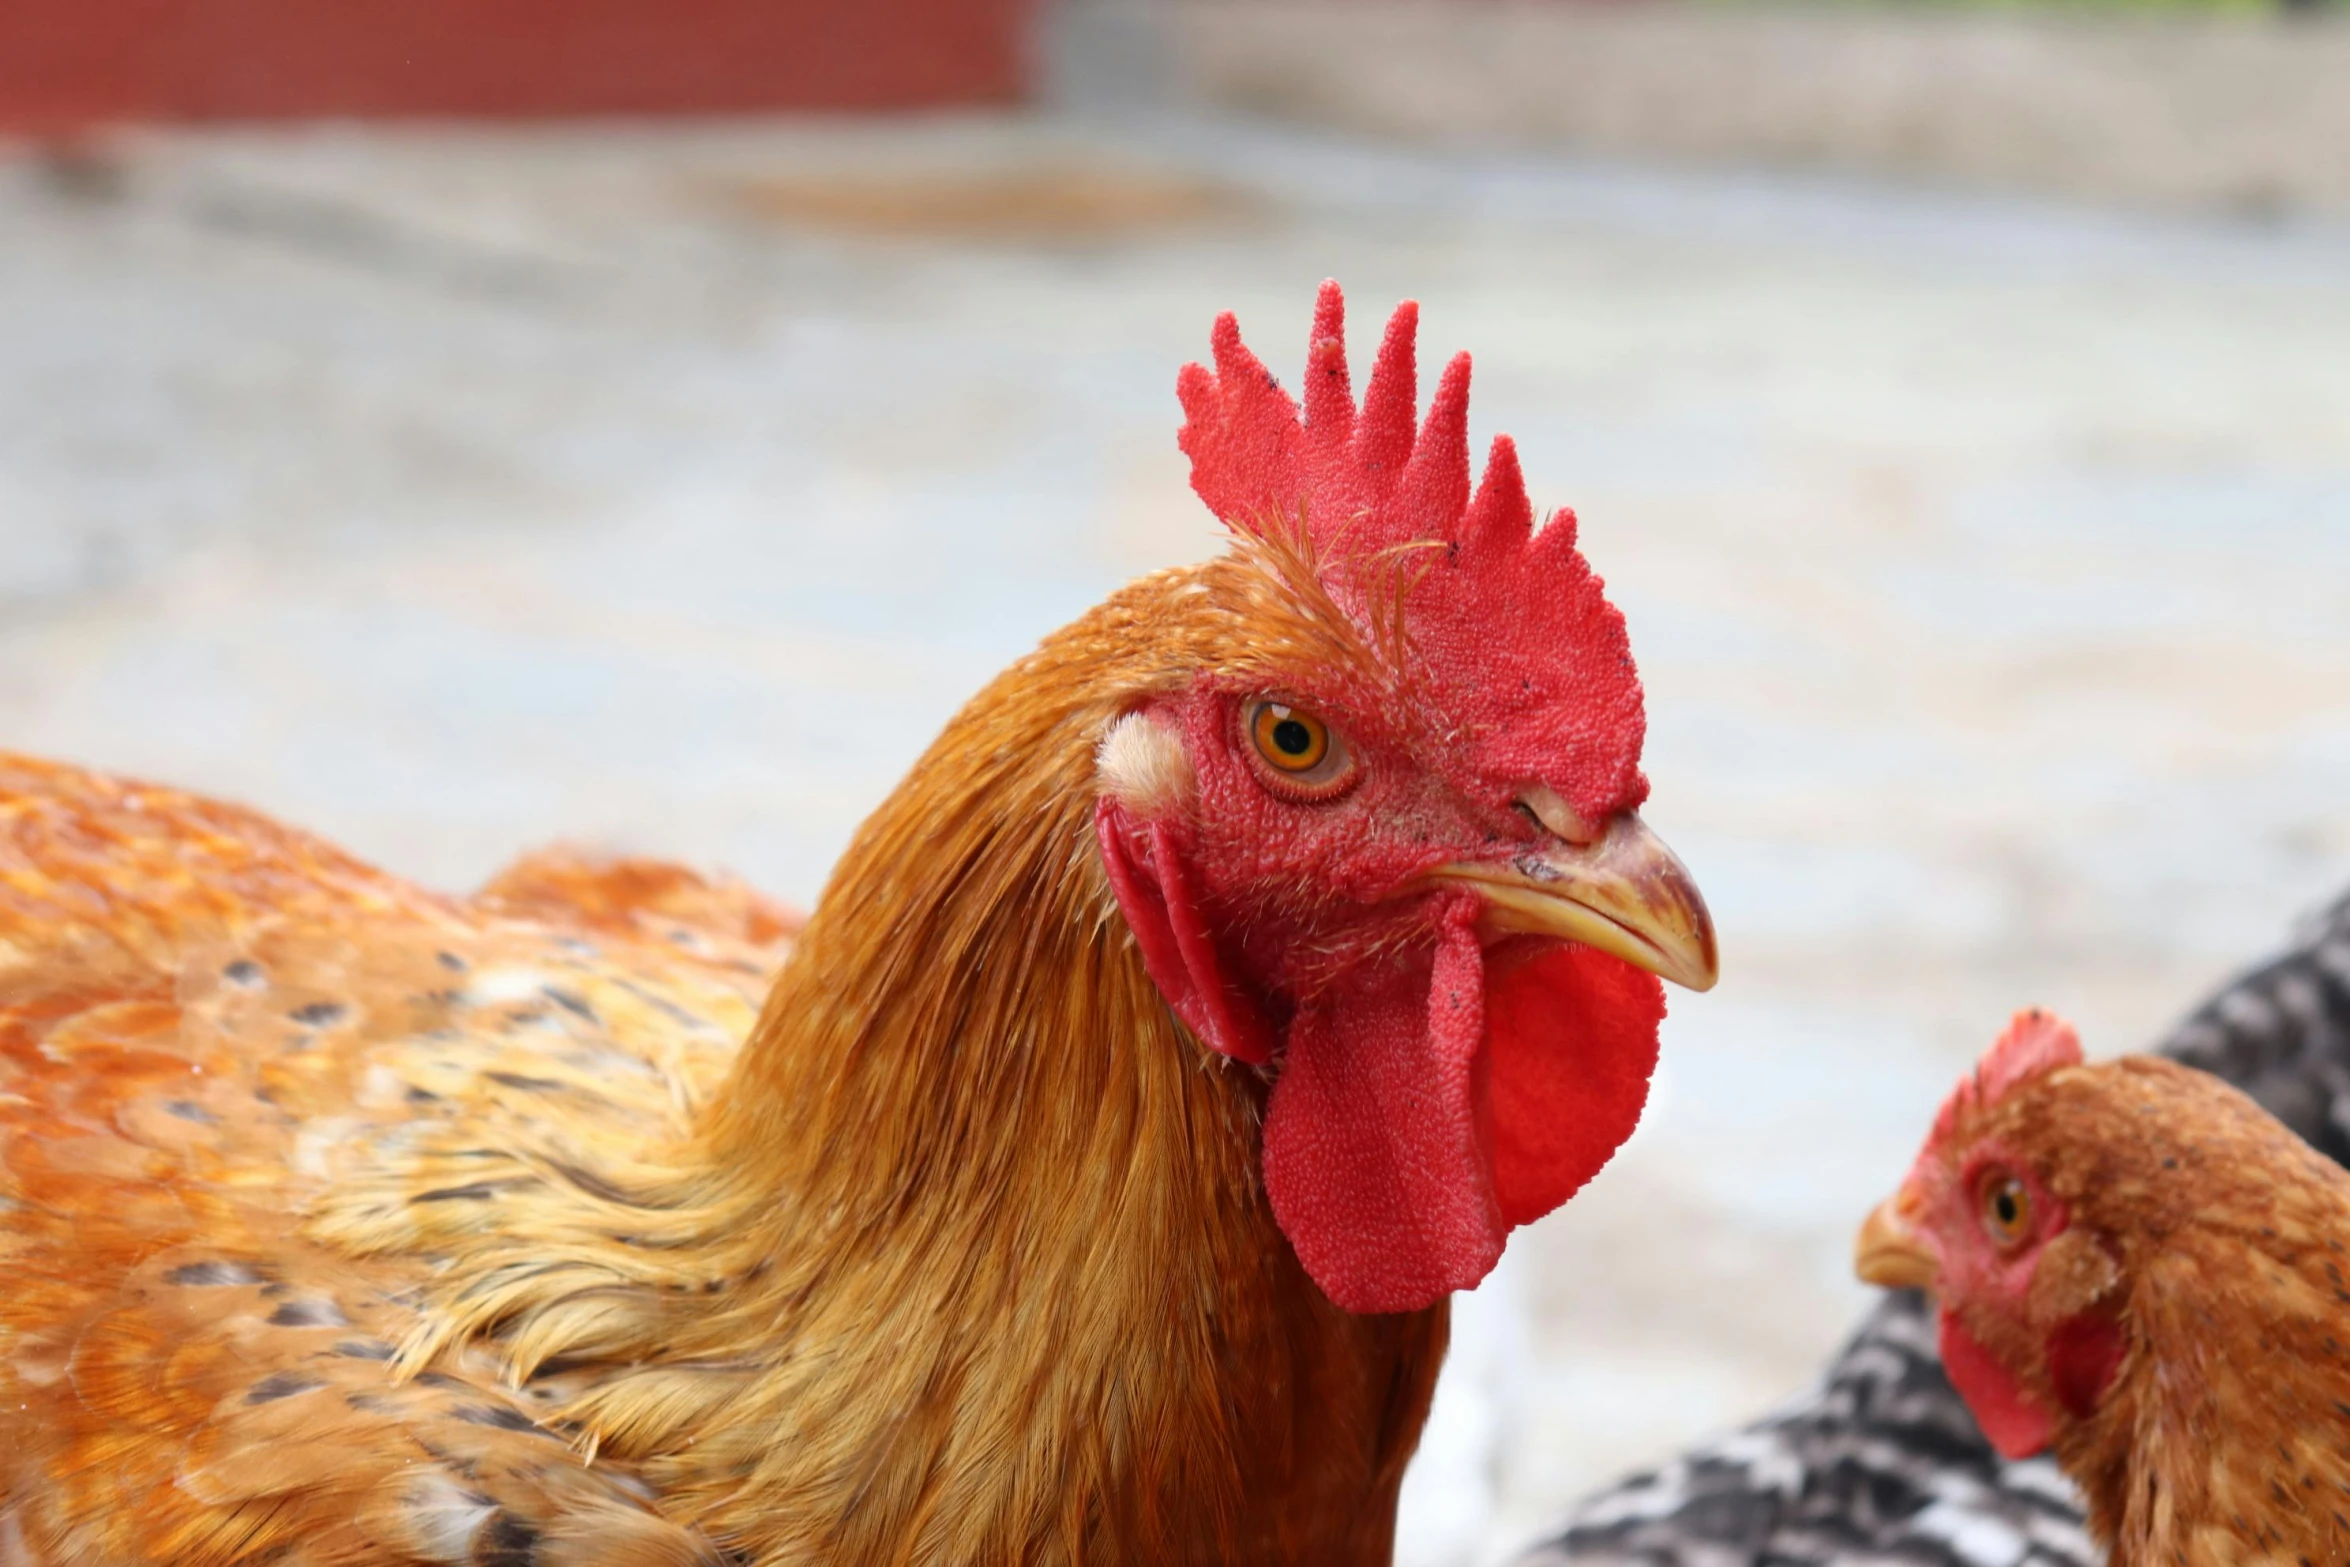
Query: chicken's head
1989, 1219
1375, 829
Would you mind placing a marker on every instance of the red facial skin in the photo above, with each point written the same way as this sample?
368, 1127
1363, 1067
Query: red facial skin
1986, 1281
2014, 1339
1433, 1090
1307, 888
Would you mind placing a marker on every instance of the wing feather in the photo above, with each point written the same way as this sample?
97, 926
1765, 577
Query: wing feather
252, 1092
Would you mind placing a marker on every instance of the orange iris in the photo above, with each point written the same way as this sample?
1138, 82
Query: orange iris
2007, 1209
1288, 738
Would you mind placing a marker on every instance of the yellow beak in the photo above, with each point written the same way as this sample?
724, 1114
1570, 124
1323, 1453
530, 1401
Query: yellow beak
1889, 1253
1624, 893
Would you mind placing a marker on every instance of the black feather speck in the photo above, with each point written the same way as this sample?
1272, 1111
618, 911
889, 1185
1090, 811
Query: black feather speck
282, 1384
203, 1275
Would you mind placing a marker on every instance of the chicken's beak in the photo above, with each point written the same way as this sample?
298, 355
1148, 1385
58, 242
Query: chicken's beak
1889, 1253
1624, 893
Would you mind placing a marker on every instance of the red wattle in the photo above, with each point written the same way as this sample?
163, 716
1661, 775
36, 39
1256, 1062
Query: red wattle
1423, 1113
2015, 1425
2084, 1356
1178, 951
1376, 1155
1570, 1038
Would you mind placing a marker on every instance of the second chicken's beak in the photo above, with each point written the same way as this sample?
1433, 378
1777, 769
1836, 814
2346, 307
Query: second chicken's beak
1889, 1253
1625, 893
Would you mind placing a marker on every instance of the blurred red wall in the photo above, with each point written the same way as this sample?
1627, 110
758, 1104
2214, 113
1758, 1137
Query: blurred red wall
70, 64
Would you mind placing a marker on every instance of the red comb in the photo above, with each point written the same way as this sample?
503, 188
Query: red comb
2035, 1042
1531, 661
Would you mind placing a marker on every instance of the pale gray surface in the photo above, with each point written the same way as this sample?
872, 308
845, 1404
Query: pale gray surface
1987, 564
2159, 106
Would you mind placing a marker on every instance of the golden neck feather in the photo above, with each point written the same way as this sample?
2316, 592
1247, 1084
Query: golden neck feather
970, 1159
969, 1260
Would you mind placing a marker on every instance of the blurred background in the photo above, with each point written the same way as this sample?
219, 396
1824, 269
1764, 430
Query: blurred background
466, 424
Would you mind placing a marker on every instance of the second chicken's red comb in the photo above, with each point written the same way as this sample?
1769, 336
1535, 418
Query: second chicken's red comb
2035, 1041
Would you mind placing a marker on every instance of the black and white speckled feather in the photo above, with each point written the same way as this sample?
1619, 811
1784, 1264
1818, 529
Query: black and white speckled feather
1880, 1463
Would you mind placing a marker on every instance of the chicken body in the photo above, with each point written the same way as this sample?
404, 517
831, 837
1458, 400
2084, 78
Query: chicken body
1272, 940
2144, 1272
1879, 1463
222, 1046
349, 1222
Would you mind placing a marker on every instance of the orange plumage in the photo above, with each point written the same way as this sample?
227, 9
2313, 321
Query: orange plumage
614, 1216
2142, 1270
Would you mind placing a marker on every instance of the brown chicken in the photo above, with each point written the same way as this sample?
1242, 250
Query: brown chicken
2142, 1270
1208, 1003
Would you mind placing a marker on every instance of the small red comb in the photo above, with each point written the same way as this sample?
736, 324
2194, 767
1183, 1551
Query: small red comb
2035, 1042
1532, 660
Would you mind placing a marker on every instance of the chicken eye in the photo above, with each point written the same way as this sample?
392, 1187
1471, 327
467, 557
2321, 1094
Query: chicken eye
1291, 740
1299, 751
2007, 1209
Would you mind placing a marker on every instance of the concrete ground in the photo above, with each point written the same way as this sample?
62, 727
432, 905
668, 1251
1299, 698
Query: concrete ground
2236, 107
1988, 566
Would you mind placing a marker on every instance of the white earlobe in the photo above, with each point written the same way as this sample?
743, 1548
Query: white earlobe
1141, 764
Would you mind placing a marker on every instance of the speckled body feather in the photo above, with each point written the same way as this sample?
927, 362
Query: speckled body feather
215, 1036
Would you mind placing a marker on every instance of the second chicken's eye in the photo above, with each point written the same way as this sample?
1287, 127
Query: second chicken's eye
1298, 750
2007, 1209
